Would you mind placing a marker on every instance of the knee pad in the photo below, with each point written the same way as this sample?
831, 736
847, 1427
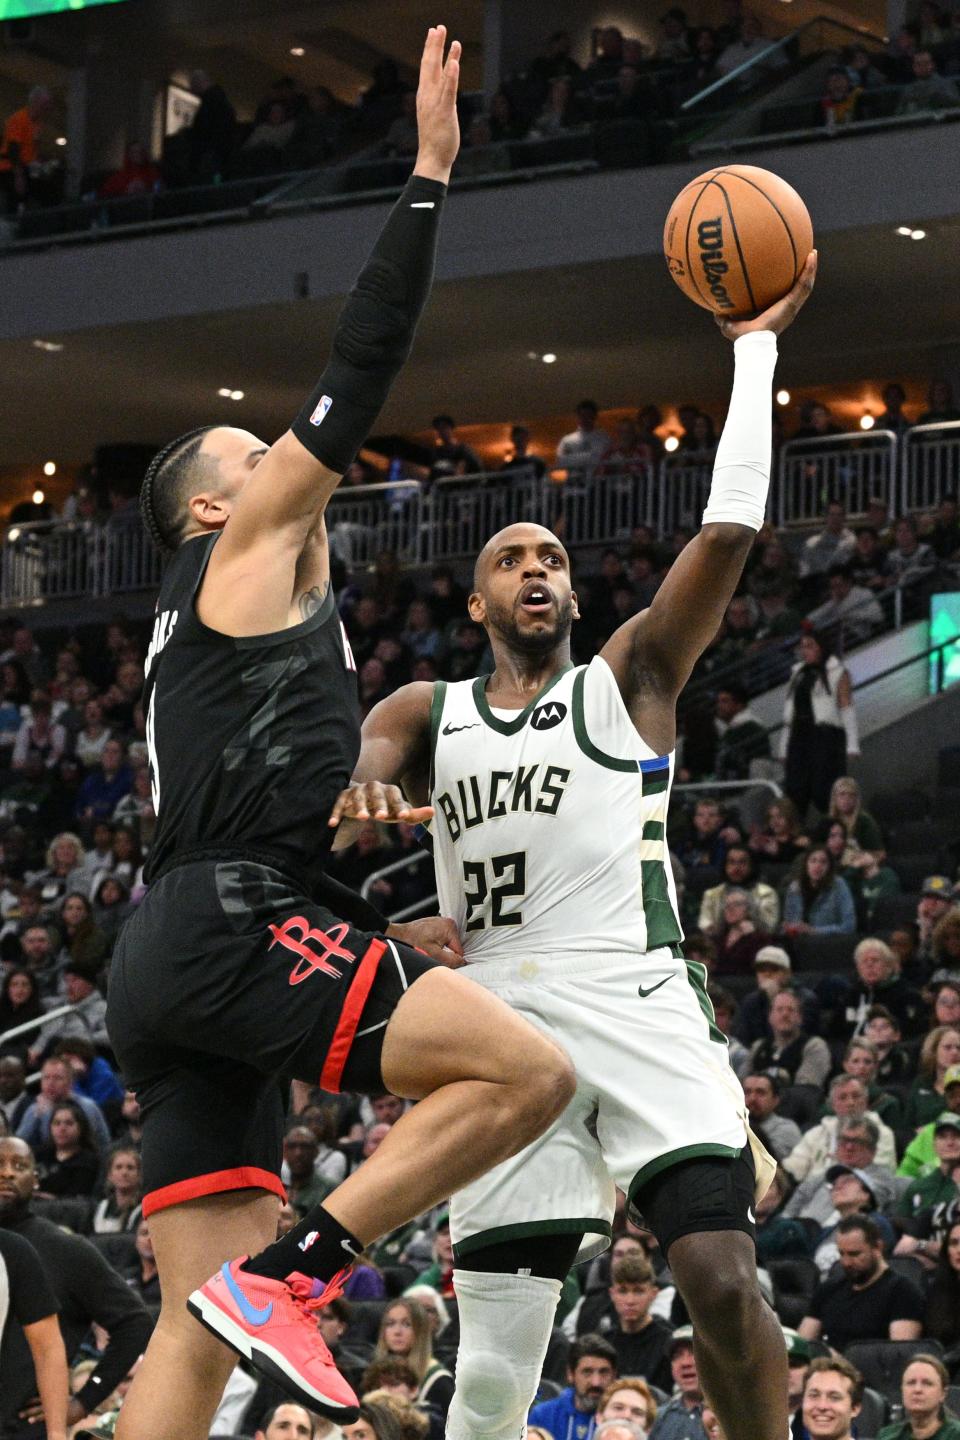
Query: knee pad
505, 1326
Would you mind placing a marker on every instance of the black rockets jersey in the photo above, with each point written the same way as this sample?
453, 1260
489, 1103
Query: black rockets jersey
250, 740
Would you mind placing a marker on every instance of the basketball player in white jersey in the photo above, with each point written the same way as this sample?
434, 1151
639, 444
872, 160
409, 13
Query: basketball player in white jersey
549, 786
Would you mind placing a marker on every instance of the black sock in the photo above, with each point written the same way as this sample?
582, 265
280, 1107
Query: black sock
319, 1246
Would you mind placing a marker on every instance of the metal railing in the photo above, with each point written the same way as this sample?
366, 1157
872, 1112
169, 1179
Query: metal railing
38, 1023
366, 519
855, 467
406, 862
931, 465
59, 562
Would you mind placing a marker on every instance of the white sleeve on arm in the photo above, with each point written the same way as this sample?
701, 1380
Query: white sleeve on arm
741, 471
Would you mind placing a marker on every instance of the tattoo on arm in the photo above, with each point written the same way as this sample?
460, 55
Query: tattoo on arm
311, 601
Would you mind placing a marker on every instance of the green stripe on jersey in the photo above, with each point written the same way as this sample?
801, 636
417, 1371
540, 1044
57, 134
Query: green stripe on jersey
593, 752
662, 926
697, 976
436, 715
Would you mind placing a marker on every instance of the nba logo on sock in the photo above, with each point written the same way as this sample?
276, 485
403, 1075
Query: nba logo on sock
320, 414
308, 1240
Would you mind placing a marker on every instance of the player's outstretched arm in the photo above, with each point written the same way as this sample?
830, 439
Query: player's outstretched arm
285, 497
653, 654
394, 752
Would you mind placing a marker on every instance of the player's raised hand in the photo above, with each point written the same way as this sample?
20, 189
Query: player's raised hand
372, 801
439, 129
783, 312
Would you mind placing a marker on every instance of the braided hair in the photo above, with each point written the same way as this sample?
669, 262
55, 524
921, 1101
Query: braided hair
162, 492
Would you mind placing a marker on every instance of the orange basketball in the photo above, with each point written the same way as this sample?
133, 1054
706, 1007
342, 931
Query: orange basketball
736, 239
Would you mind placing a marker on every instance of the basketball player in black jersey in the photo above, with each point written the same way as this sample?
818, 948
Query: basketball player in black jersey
245, 967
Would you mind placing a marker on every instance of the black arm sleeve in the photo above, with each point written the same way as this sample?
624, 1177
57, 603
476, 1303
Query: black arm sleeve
376, 328
112, 1304
31, 1298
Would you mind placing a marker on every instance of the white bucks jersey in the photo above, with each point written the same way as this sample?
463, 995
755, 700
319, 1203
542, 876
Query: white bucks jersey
549, 832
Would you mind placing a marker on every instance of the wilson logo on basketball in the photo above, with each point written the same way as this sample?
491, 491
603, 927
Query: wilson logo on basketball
710, 240
293, 935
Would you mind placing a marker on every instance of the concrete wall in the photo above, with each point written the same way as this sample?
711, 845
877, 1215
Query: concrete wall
903, 755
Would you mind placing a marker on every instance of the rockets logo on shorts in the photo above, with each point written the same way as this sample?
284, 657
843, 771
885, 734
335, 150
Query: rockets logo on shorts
320, 414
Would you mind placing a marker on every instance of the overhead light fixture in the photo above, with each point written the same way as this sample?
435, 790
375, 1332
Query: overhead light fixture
14, 534
904, 230
298, 51
50, 468
38, 497
52, 347
532, 355
224, 392
671, 443
783, 397
867, 421
236, 394
918, 234
61, 139
549, 358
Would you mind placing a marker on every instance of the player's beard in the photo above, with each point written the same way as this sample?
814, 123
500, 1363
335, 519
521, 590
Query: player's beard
533, 643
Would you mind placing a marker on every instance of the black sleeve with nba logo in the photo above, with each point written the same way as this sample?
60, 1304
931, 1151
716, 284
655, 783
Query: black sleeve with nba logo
376, 328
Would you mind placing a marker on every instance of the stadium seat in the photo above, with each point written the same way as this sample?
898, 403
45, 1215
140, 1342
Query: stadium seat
547, 1390
72, 1214
911, 1268
946, 804
914, 869
953, 1399
948, 767
915, 837
794, 1282
120, 1251
874, 1411
801, 1103
882, 1362
894, 807
831, 953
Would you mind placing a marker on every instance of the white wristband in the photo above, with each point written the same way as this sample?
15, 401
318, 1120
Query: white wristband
741, 470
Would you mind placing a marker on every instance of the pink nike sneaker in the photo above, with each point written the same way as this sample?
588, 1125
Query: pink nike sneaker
273, 1324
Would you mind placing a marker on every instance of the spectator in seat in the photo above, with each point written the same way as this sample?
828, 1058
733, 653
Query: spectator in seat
738, 873
940, 407
137, 175
928, 90
451, 456
924, 1392
631, 1400
778, 1236
84, 942
289, 1421
521, 457
781, 840
682, 1417
56, 1084
936, 901
832, 1396
561, 111
119, 1211
70, 1161
738, 939
878, 982
774, 971
39, 734
882, 1029
88, 1016
701, 70
15, 1098
868, 565
405, 1332
706, 847
892, 416
640, 1341
749, 47
943, 1298
19, 1003
849, 1099
555, 60
910, 561
920, 1156
856, 1149
608, 57
20, 147
840, 102
213, 132
869, 883
939, 1054
938, 1186
591, 1367
93, 1076
820, 901
305, 1188
851, 1193
762, 1093
743, 737
820, 734
725, 1013
805, 1058
851, 614
869, 1301
944, 535
861, 1059
835, 543
102, 791
272, 134
583, 449
673, 47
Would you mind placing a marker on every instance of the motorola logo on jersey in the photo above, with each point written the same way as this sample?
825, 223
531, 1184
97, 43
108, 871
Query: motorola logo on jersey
546, 716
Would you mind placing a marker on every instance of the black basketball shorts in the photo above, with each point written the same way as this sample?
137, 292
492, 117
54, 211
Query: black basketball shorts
226, 983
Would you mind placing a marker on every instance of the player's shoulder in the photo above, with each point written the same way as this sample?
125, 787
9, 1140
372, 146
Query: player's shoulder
409, 704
